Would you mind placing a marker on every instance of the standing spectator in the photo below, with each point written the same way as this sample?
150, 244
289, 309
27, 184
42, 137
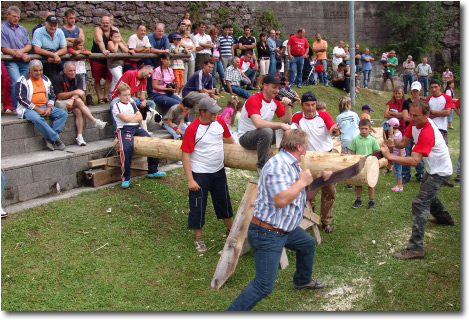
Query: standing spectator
367, 67
36, 97
203, 165
139, 43
263, 51
447, 76
297, 51
216, 57
440, 107
338, 55
99, 68
233, 78
278, 54
246, 42
358, 56
115, 66
49, 42
423, 72
348, 120
6, 91
164, 84
186, 19
389, 69
15, 42
177, 65
248, 69
339, 80
457, 108
226, 43
235, 39
70, 30
273, 49
450, 92
70, 97
203, 46
432, 149
178, 31
189, 63
40, 25
409, 67
347, 54
320, 49
286, 60
159, 44
319, 127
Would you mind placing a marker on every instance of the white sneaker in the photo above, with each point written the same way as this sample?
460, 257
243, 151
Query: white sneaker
80, 141
99, 124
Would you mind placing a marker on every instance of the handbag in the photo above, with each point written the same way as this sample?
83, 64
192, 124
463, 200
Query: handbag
319, 67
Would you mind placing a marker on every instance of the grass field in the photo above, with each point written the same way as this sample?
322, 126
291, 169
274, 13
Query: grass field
74, 255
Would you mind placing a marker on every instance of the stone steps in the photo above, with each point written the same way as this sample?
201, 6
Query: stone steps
32, 171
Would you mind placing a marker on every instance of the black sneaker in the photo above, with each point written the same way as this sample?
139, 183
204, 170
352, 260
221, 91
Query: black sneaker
59, 145
357, 204
371, 205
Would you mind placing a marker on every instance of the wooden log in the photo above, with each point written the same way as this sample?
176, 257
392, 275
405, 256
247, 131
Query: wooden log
240, 158
234, 243
67, 56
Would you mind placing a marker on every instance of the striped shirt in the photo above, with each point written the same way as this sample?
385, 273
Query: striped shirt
233, 75
16, 38
279, 174
176, 63
225, 44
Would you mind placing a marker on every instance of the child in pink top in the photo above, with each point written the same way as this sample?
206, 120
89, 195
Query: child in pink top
227, 114
447, 76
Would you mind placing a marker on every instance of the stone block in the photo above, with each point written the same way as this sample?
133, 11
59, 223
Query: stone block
17, 131
10, 195
12, 147
46, 171
35, 143
34, 190
19, 176
67, 182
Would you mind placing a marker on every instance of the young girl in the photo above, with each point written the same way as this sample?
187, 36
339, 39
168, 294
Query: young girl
394, 122
394, 107
227, 114
77, 48
116, 45
450, 92
349, 121
447, 76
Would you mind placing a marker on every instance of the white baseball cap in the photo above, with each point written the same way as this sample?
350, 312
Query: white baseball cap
416, 86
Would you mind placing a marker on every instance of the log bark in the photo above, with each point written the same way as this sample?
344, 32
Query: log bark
240, 158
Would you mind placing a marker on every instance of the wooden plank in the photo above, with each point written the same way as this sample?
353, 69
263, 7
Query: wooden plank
102, 177
139, 163
316, 234
306, 223
99, 162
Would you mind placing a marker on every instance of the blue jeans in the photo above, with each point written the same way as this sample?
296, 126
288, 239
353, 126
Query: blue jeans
366, 78
273, 64
269, 245
296, 70
251, 74
406, 169
450, 117
458, 169
323, 74
424, 82
397, 170
15, 70
239, 91
408, 79
173, 132
218, 67
58, 116
150, 104
165, 101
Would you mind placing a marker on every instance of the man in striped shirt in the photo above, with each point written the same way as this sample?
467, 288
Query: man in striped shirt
226, 44
278, 211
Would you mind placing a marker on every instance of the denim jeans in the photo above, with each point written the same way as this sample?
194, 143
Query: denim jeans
269, 245
260, 140
218, 67
273, 64
58, 116
366, 78
450, 117
406, 169
239, 91
150, 104
458, 169
323, 74
173, 132
397, 170
408, 79
296, 70
424, 82
16, 70
164, 101
251, 74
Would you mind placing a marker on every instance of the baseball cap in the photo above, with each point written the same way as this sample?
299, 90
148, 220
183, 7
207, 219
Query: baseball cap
393, 122
416, 86
177, 36
272, 78
367, 107
52, 19
209, 104
308, 96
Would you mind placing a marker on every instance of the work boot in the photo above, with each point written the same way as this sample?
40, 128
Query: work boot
449, 222
409, 254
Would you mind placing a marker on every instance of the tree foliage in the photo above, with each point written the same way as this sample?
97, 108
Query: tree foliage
416, 27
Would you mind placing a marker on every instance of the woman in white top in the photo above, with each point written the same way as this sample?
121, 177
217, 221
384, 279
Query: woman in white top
189, 64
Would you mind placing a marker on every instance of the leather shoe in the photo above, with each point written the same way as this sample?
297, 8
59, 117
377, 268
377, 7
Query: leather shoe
449, 222
314, 284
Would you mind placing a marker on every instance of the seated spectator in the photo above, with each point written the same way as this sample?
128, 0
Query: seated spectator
177, 65
164, 84
70, 96
35, 96
49, 41
174, 119
339, 80
139, 43
115, 66
233, 76
286, 91
249, 69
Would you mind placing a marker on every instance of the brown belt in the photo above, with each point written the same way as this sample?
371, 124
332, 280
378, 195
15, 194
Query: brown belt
265, 225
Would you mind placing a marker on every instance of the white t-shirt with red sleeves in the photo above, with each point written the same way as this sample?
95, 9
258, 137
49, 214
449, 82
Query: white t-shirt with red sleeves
317, 129
244, 65
443, 101
256, 104
204, 141
430, 143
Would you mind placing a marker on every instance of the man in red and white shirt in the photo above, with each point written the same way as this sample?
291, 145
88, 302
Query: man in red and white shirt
431, 147
255, 127
297, 47
202, 159
319, 126
248, 69
440, 107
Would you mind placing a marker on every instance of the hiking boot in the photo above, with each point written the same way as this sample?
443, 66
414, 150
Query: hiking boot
314, 284
409, 254
59, 145
357, 204
100, 124
449, 222
49, 145
200, 246
371, 205
80, 141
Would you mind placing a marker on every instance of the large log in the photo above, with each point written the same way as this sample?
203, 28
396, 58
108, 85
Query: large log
240, 158
7, 57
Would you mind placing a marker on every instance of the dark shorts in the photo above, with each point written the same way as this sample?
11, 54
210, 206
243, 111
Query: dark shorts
388, 76
99, 71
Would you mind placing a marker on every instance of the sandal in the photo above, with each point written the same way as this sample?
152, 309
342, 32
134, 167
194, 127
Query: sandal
327, 228
397, 189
